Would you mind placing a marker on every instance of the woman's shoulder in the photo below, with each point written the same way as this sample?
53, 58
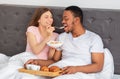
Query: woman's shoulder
32, 28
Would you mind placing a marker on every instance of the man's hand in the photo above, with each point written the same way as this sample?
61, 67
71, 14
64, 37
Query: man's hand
69, 70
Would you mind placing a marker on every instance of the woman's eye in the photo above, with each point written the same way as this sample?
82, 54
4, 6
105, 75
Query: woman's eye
51, 17
46, 17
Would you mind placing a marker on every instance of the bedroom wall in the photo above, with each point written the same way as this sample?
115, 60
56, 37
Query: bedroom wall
106, 4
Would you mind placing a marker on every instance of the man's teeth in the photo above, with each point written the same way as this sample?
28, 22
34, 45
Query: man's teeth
65, 26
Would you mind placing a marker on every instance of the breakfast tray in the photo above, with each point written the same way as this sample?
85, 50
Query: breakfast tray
40, 73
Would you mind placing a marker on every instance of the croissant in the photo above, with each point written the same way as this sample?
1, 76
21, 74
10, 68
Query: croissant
44, 68
54, 69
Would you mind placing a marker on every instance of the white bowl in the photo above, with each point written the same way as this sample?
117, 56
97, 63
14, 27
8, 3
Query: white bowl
55, 44
32, 67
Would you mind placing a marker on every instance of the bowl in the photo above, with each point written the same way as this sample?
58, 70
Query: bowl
55, 44
32, 67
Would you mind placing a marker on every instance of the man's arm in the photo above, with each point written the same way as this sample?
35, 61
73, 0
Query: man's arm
95, 66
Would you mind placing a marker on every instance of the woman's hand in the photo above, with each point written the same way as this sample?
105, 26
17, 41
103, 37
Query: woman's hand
50, 30
31, 61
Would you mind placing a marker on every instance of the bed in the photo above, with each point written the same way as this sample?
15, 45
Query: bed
15, 18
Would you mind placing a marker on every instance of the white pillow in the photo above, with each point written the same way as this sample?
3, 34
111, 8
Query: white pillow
21, 58
108, 68
3, 58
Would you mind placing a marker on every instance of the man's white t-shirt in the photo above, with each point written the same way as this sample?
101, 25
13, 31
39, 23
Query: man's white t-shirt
77, 51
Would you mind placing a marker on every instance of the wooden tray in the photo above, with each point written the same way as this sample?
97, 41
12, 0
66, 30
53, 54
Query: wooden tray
40, 73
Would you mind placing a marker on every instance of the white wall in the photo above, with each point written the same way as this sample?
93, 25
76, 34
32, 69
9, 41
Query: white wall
106, 4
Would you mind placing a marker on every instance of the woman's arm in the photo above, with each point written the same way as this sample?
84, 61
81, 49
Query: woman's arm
35, 46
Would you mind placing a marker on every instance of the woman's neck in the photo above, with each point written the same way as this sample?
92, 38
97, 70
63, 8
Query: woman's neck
42, 31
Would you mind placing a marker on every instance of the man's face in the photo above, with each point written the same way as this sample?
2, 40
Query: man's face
68, 21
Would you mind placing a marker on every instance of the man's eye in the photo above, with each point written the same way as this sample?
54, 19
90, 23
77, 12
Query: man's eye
66, 19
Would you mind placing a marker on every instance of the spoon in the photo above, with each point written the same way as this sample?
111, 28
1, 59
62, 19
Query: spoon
59, 27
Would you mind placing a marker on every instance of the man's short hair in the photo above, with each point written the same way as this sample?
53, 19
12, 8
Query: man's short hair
77, 12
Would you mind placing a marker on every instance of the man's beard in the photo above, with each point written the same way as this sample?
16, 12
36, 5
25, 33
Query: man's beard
71, 28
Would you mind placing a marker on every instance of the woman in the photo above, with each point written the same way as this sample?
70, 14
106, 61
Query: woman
39, 32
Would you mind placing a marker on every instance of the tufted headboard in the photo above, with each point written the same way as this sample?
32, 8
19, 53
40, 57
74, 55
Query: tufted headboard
15, 18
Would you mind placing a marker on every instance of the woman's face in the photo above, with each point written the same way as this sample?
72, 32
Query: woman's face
46, 19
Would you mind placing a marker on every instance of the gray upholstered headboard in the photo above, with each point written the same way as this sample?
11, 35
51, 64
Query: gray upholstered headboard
14, 20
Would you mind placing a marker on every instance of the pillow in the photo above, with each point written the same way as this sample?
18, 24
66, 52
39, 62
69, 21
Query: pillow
3, 58
21, 58
116, 76
108, 68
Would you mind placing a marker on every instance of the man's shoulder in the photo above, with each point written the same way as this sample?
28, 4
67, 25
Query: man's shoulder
63, 34
93, 35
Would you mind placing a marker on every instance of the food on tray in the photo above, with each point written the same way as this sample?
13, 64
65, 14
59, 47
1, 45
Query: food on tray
40, 73
54, 69
44, 68
50, 69
55, 44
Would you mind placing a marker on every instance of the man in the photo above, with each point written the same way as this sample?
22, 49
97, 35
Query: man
82, 53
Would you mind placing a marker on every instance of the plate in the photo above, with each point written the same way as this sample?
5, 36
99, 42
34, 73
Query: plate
40, 73
55, 44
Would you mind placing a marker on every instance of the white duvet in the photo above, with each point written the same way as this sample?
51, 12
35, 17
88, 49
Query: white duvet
9, 66
3, 60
